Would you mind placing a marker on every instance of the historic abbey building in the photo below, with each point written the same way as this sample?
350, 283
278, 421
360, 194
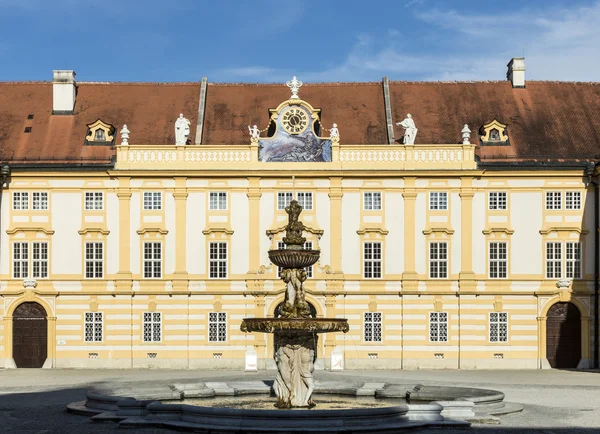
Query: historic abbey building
135, 221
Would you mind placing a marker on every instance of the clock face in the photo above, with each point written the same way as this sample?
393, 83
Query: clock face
294, 120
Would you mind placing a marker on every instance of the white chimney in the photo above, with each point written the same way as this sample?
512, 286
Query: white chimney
516, 71
64, 91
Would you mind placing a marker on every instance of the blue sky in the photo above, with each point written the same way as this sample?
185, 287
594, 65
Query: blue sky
269, 41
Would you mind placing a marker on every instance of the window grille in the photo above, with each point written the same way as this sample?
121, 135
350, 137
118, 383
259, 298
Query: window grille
20, 260
152, 326
93, 326
553, 260
40, 259
438, 201
94, 200
372, 260
497, 200
438, 327
498, 260
20, 200
283, 199
305, 200
438, 260
573, 200
40, 200
152, 200
217, 200
217, 326
372, 201
553, 200
573, 265
498, 327
94, 260
152, 260
372, 326
217, 260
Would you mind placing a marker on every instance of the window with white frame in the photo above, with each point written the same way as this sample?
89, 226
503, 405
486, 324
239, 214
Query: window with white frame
372, 326
94, 323
498, 327
217, 200
498, 260
572, 200
554, 260
372, 200
438, 260
94, 200
152, 327
20, 200
94, 260
438, 200
39, 200
438, 326
573, 257
283, 199
152, 260
217, 327
20, 260
553, 200
305, 200
217, 260
308, 245
39, 259
152, 200
372, 260
497, 200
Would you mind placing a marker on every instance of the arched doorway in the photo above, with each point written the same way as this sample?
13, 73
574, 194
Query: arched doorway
30, 335
563, 336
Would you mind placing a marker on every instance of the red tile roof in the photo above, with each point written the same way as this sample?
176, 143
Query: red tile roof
546, 120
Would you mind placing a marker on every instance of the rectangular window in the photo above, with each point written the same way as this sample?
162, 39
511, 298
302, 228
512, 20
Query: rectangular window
40, 200
153, 260
372, 260
152, 327
309, 270
554, 260
20, 260
217, 260
373, 326
438, 326
372, 201
217, 327
20, 200
283, 199
305, 200
40, 260
94, 260
573, 200
438, 201
498, 327
93, 326
573, 256
94, 200
438, 260
497, 200
152, 200
498, 261
217, 200
553, 200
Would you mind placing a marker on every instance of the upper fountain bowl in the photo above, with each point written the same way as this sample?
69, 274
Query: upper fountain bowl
288, 258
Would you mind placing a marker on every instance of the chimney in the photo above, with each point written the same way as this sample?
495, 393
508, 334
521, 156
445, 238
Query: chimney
64, 91
516, 71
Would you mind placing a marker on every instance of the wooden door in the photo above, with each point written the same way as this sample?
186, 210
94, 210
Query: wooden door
563, 336
30, 336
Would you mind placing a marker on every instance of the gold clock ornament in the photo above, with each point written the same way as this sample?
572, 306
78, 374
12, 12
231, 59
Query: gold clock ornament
294, 120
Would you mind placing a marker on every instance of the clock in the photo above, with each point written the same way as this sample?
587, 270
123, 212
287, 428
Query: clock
294, 120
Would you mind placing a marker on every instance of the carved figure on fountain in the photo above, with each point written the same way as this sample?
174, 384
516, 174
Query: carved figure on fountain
295, 354
294, 305
293, 234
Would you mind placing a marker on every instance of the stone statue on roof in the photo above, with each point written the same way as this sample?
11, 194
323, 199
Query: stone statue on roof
334, 133
182, 130
254, 132
410, 130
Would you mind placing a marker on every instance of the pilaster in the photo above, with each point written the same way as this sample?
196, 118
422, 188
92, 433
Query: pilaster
180, 276
254, 194
123, 281
467, 280
409, 277
335, 200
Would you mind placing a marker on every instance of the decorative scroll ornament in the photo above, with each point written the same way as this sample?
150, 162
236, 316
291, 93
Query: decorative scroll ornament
30, 283
125, 136
294, 84
563, 283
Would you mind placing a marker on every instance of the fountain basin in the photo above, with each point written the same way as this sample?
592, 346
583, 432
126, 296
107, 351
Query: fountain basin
289, 258
310, 325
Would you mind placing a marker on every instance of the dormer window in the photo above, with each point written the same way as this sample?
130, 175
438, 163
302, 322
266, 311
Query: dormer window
100, 134
494, 133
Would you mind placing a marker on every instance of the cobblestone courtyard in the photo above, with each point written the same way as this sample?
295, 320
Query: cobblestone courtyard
556, 402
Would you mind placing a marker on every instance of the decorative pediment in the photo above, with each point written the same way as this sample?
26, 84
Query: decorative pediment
574, 229
100, 133
494, 134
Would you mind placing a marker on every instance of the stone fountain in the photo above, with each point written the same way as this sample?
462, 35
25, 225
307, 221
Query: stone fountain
295, 331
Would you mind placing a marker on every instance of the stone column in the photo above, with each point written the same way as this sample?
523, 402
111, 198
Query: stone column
124, 278
467, 276
180, 276
409, 277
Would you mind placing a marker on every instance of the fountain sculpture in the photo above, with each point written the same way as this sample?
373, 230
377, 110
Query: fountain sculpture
295, 331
